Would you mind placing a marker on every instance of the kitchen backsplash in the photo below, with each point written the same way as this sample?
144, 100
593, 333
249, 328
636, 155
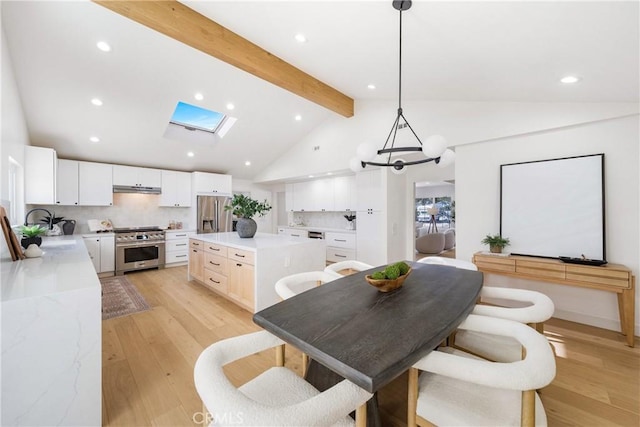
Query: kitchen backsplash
320, 219
128, 210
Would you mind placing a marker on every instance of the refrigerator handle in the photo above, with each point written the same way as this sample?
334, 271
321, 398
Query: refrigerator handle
216, 213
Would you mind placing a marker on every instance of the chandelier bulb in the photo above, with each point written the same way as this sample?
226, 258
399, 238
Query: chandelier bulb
447, 158
434, 146
366, 152
355, 164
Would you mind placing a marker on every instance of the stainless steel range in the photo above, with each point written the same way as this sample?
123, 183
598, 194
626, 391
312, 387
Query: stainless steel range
139, 248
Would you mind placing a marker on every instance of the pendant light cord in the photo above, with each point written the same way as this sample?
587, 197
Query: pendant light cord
400, 69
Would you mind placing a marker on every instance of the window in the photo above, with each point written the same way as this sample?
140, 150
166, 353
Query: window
193, 117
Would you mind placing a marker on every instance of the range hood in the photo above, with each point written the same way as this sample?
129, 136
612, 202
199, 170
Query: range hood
136, 189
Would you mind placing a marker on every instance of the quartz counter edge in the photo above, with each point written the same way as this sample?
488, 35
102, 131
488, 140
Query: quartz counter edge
259, 241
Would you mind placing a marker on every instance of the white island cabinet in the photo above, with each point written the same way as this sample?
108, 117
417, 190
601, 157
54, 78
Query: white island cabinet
246, 270
51, 337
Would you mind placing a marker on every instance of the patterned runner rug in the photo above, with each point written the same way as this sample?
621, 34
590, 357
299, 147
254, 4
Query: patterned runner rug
120, 298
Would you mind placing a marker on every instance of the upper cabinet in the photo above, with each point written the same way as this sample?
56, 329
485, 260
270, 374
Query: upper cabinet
67, 183
176, 189
95, 184
344, 193
322, 195
84, 184
369, 188
136, 177
40, 165
211, 183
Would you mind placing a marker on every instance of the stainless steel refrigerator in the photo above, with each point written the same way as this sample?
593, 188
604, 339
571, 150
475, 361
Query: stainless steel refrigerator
212, 217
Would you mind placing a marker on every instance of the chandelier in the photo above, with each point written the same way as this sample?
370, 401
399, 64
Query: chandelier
434, 148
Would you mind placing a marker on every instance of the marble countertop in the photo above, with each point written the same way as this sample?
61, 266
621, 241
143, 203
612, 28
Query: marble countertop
323, 229
259, 241
64, 266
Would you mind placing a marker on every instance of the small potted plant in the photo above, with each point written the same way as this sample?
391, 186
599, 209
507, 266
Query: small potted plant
245, 208
53, 220
31, 234
495, 242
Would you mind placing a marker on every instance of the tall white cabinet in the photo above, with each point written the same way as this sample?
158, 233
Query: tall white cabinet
371, 217
40, 166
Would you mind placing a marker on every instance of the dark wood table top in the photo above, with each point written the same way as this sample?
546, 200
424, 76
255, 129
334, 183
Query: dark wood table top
370, 337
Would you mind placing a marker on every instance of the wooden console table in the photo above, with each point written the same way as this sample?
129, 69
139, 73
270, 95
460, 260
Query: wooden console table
610, 277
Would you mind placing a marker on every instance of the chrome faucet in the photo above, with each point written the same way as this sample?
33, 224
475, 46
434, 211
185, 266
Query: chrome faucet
39, 209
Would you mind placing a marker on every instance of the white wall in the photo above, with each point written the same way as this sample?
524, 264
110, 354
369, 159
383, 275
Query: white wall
478, 202
14, 134
448, 190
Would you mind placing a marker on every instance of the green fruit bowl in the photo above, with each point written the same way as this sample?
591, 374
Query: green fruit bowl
387, 285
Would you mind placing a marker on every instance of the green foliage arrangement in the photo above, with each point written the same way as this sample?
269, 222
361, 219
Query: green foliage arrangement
55, 220
496, 241
245, 207
392, 271
28, 231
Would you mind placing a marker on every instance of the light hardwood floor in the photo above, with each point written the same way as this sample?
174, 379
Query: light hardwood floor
148, 359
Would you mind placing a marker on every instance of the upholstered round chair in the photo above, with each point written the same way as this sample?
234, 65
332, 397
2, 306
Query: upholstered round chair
350, 264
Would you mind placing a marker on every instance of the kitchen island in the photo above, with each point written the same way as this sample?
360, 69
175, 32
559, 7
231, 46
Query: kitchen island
51, 337
246, 270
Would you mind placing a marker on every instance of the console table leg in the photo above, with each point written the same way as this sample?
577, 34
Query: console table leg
628, 302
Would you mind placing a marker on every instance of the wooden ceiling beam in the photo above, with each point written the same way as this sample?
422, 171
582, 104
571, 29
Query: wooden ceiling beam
181, 23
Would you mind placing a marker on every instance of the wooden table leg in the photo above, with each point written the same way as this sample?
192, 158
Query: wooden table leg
626, 305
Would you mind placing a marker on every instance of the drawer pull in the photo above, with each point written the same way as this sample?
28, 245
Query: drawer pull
181, 244
181, 235
239, 265
340, 256
180, 256
295, 235
340, 240
214, 281
214, 249
211, 262
241, 256
195, 244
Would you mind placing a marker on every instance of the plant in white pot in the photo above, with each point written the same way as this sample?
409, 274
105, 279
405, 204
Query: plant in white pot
245, 208
31, 235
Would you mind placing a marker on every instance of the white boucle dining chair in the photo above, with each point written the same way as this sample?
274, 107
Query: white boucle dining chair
350, 264
276, 397
294, 284
539, 309
457, 388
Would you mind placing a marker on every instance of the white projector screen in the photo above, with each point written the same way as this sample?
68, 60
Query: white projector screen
553, 208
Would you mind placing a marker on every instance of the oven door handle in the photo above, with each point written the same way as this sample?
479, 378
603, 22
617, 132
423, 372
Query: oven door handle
138, 245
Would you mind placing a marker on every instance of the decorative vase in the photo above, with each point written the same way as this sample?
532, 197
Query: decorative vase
26, 241
246, 227
33, 251
68, 226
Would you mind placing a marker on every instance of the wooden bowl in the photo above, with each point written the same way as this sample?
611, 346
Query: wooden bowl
387, 285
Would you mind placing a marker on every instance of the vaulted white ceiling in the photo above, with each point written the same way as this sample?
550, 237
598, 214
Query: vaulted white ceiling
476, 51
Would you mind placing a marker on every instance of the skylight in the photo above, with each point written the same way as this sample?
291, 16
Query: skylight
192, 117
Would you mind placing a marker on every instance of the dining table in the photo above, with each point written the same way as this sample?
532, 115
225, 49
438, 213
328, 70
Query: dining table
351, 330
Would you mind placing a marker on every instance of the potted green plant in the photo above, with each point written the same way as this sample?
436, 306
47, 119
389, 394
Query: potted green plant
53, 220
495, 242
31, 234
245, 208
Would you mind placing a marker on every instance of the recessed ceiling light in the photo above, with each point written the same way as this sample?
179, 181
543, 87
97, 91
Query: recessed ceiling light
94, 139
104, 46
190, 154
247, 163
230, 106
329, 173
310, 176
199, 96
570, 79
97, 102
371, 86
300, 38
298, 117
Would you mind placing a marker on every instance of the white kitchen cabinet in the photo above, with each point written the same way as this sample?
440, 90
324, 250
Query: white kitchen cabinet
176, 189
344, 193
67, 183
371, 238
136, 177
321, 195
288, 198
102, 253
302, 199
177, 247
340, 246
371, 195
95, 185
211, 183
40, 166
293, 232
